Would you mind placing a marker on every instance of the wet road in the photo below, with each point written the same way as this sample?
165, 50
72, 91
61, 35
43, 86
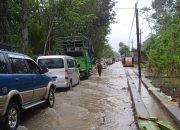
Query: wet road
96, 104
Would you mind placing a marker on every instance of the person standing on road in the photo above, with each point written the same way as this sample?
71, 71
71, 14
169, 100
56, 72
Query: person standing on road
99, 68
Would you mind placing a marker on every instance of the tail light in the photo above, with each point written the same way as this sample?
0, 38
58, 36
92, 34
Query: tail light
66, 74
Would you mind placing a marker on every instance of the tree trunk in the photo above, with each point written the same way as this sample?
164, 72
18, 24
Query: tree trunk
38, 9
49, 34
1, 19
24, 23
3, 22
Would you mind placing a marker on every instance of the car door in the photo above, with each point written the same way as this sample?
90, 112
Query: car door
22, 81
71, 65
40, 80
5, 77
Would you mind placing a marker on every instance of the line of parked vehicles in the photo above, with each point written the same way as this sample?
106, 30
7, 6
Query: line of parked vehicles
106, 61
25, 83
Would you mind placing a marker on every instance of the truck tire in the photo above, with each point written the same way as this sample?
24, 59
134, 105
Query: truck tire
12, 117
86, 75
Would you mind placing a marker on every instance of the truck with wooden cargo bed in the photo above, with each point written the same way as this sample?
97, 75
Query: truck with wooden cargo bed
80, 48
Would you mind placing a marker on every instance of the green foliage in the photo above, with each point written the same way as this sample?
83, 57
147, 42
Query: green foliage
36, 37
106, 52
163, 48
48, 19
124, 49
116, 54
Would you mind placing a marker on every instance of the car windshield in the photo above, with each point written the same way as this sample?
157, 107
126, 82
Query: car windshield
51, 63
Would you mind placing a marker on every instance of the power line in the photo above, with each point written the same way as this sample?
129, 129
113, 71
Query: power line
133, 21
143, 25
145, 28
128, 8
132, 26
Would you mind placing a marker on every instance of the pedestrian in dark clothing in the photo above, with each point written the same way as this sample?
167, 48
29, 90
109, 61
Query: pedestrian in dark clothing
99, 68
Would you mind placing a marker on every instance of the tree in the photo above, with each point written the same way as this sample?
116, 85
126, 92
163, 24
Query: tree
33, 25
24, 23
163, 47
106, 52
3, 21
116, 54
123, 49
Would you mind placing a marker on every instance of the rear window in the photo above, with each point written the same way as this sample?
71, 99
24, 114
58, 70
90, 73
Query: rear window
70, 63
51, 63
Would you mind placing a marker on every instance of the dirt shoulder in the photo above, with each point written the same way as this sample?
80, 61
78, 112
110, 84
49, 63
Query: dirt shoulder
170, 86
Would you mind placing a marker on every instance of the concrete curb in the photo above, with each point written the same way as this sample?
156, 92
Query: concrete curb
172, 109
139, 107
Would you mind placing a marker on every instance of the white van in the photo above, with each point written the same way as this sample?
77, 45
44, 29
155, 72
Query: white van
63, 69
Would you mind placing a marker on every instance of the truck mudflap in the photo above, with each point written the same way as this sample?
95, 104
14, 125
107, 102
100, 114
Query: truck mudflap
84, 74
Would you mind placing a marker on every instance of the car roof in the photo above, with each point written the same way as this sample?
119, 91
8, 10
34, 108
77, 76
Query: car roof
15, 54
54, 56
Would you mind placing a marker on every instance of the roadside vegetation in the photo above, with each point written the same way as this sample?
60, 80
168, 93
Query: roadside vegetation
124, 50
32, 25
163, 46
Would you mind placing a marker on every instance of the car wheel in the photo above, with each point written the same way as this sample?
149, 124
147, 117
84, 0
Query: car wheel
78, 81
12, 117
51, 98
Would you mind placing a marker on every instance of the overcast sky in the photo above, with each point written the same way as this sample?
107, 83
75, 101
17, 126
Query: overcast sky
121, 30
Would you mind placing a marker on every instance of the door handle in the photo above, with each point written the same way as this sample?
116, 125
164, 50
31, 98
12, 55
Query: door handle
34, 77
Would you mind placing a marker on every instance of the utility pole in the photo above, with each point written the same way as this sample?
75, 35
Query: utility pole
140, 35
132, 45
138, 42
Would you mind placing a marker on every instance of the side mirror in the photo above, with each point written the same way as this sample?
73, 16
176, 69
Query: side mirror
44, 70
78, 65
